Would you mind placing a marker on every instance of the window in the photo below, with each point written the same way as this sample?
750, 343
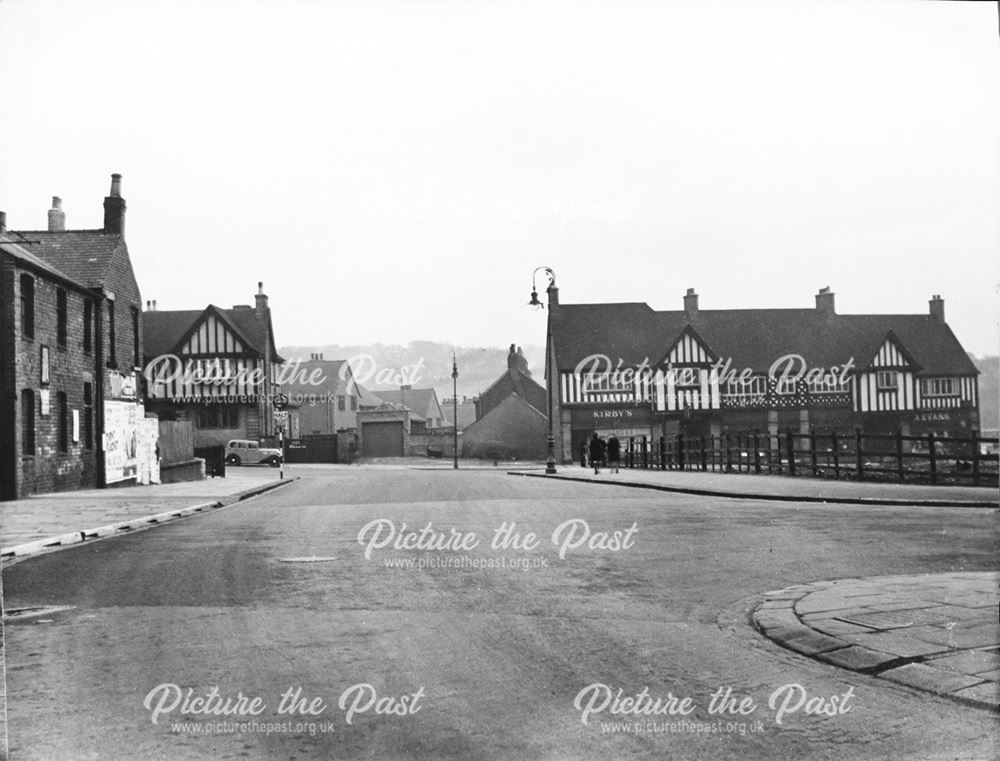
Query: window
88, 415
61, 316
27, 421
608, 382
788, 386
887, 380
88, 326
27, 306
111, 334
136, 359
354, 402
63, 406
341, 405
829, 384
753, 387
939, 387
219, 416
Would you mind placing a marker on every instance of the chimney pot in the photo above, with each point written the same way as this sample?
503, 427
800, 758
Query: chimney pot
114, 208
825, 301
260, 302
937, 307
691, 304
57, 217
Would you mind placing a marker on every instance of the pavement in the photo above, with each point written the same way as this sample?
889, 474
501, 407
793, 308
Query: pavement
938, 632
40, 523
780, 488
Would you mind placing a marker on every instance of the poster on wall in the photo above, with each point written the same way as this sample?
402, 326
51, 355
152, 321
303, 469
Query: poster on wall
122, 422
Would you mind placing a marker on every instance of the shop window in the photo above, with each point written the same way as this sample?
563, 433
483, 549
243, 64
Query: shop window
341, 403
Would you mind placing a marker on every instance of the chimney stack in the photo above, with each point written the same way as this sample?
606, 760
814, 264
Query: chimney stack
824, 301
114, 208
57, 217
260, 301
937, 307
691, 304
512, 358
3, 221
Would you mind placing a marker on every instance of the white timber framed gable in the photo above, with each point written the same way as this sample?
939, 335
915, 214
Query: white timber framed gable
684, 377
888, 384
213, 362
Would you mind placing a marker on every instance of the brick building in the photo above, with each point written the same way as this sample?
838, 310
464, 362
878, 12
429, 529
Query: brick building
323, 393
631, 370
510, 416
70, 350
216, 367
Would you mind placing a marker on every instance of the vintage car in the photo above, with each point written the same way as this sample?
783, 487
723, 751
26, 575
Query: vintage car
246, 452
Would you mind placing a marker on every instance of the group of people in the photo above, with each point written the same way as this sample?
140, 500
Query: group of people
603, 452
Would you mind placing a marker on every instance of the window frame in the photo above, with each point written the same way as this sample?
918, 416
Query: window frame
28, 422
27, 286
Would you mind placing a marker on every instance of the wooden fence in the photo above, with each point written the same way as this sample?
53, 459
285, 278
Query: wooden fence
855, 456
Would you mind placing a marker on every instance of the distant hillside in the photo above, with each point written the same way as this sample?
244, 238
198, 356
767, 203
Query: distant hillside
989, 393
424, 364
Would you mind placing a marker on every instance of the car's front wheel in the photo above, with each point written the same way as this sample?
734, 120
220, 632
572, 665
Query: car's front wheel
233, 459
274, 461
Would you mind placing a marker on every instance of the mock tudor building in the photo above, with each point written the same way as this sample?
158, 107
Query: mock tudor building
633, 371
216, 367
70, 350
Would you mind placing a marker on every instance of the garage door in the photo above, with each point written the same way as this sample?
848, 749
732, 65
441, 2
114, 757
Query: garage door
382, 439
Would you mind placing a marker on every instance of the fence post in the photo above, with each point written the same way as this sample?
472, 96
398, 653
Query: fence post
644, 449
812, 452
663, 452
899, 456
790, 448
975, 457
679, 452
704, 453
932, 447
756, 453
729, 454
859, 460
836, 454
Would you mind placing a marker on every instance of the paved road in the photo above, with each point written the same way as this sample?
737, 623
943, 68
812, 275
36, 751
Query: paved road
484, 663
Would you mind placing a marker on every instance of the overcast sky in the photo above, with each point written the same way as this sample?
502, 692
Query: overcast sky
394, 171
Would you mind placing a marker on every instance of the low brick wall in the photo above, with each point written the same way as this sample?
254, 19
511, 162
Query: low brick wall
188, 470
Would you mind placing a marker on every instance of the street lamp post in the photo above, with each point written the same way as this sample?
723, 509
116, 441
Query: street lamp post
454, 404
550, 458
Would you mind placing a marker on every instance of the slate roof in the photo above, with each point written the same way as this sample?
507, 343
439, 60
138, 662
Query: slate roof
419, 400
753, 338
10, 245
83, 255
332, 382
163, 330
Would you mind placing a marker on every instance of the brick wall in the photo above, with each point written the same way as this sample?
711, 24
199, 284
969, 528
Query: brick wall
70, 367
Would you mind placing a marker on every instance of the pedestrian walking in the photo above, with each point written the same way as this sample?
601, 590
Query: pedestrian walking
596, 452
614, 453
